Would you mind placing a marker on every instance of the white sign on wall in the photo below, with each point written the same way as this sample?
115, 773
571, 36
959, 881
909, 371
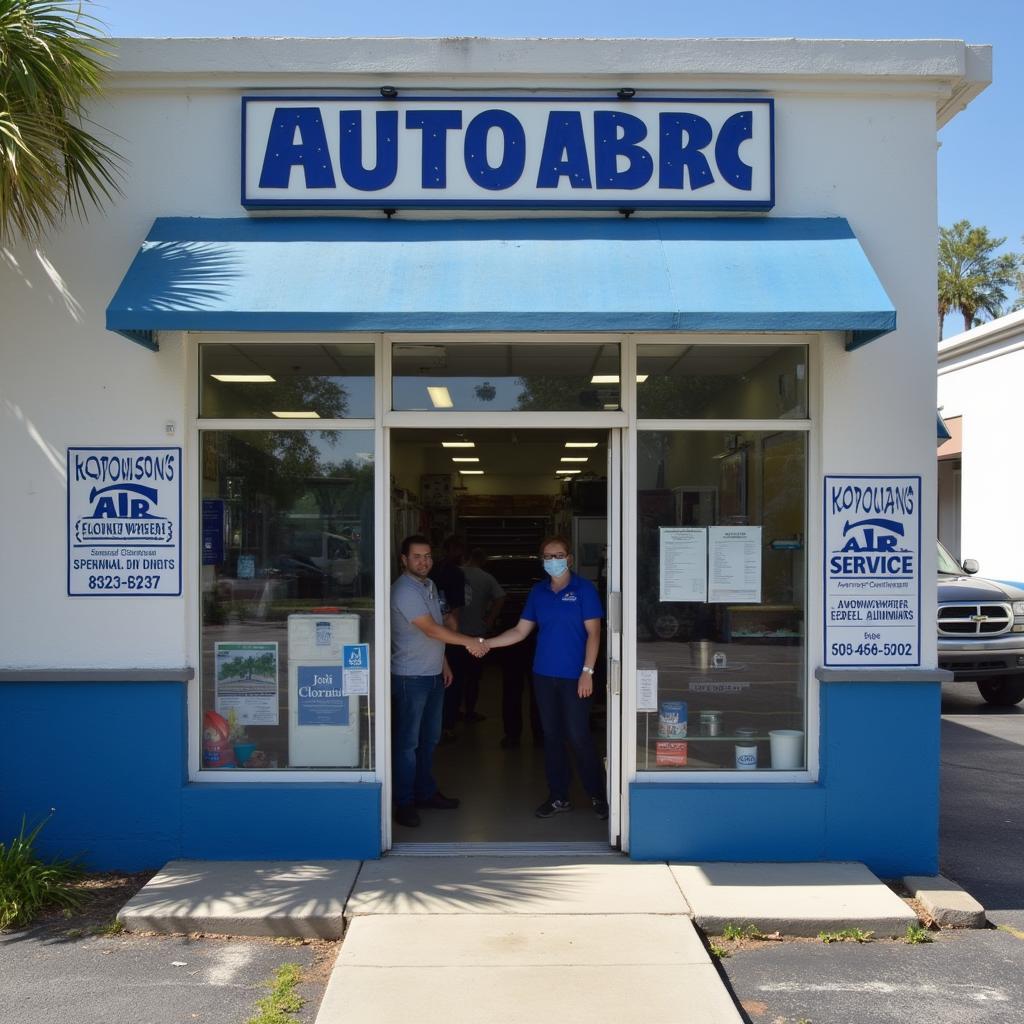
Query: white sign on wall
124, 522
525, 151
872, 571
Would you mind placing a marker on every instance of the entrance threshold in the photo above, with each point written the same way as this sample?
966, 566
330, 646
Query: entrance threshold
594, 849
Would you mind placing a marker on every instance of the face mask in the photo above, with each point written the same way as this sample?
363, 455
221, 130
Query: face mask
555, 566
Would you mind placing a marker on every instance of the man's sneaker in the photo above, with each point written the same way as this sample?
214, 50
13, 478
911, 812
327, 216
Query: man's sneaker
552, 807
439, 802
600, 807
406, 815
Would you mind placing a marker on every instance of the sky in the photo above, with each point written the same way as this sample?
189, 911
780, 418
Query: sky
981, 152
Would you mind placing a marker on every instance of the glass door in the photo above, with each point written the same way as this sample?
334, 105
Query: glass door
614, 626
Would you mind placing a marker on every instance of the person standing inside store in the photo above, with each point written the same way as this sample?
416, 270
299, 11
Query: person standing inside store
450, 581
484, 598
419, 675
566, 612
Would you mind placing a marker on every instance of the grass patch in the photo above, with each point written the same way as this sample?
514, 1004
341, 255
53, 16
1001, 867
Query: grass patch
284, 1001
112, 927
717, 951
735, 932
29, 884
916, 934
846, 935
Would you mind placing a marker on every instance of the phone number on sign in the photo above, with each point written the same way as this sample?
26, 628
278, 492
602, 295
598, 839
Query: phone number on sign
124, 582
872, 650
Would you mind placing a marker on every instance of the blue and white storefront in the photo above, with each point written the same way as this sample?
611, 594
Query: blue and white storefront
678, 294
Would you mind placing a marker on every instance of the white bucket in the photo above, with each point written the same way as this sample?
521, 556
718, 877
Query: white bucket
746, 757
787, 748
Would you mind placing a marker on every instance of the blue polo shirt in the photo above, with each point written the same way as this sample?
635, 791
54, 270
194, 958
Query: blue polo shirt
561, 635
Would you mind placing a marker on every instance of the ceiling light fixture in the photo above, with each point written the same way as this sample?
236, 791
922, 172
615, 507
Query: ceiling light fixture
458, 444
574, 458
440, 397
581, 444
465, 458
613, 378
471, 472
303, 414
243, 378
567, 472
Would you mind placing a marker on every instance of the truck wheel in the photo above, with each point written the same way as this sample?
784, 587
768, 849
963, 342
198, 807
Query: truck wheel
1004, 693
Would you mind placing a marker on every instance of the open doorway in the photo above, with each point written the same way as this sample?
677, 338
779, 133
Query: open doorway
501, 492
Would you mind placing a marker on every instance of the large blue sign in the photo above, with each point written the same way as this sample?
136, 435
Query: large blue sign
443, 151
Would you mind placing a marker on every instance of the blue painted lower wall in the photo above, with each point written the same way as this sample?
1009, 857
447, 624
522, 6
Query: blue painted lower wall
111, 760
876, 799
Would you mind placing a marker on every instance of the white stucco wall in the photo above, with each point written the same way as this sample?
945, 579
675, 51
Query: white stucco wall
855, 137
984, 386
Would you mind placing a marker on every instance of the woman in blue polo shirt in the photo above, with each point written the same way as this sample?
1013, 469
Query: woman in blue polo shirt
566, 611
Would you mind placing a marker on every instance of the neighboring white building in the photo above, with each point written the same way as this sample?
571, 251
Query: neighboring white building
980, 484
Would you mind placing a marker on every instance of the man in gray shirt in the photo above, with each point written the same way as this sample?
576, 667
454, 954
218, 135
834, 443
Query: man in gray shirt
419, 675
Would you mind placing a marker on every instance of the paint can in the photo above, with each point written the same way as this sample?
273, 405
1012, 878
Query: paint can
672, 719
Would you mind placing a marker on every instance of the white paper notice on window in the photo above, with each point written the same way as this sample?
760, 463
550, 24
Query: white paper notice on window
734, 564
684, 564
647, 689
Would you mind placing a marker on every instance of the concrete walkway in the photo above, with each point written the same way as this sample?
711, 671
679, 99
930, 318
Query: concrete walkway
562, 939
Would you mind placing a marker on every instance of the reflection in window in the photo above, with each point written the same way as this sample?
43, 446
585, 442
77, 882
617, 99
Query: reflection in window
287, 582
502, 378
721, 599
287, 381
722, 381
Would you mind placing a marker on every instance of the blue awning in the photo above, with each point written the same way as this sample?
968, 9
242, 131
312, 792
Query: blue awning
941, 430
358, 274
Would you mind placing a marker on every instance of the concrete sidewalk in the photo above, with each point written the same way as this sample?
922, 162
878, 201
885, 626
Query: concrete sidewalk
506, 939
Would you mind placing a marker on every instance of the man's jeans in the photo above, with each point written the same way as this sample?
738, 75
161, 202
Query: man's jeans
417, 703
566, 717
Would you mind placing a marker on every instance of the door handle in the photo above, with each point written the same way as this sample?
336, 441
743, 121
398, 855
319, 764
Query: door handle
616, 678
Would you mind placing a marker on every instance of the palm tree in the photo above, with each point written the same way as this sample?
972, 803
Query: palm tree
972, 278
51, 164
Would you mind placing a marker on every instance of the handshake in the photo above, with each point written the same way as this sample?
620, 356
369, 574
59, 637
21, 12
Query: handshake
477, 647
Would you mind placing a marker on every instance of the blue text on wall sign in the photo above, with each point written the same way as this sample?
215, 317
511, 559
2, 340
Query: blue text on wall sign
498, 151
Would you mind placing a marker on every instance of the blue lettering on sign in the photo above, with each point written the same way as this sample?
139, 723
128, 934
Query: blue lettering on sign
310, 152
385, 167
663, 151
513, 158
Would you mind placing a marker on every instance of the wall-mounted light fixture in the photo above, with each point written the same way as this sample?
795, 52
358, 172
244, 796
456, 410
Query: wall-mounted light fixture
389, 92
626, 94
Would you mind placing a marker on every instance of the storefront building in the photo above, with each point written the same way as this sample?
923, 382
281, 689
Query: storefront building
673, 299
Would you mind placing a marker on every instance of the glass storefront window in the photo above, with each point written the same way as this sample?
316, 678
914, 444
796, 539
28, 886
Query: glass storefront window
721, 600
287, 599
466, 377
721, 381
286, 381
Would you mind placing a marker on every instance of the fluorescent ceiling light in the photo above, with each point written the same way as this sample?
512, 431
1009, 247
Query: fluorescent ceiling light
458, 444
613, 406
465, 458
471, 472
567, 472
574, 458
302, 415
613, 378
580, 444
440, 397
243, 378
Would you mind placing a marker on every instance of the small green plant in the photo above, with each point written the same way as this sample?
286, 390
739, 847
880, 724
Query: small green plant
734, 932
74, 933
916, 934
29, 884
846, 935
717, 951
112, 927
283, 1002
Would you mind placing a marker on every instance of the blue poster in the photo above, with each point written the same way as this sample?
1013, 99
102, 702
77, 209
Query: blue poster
321, 701
213, 531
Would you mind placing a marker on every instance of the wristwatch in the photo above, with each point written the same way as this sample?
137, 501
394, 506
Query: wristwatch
588, 670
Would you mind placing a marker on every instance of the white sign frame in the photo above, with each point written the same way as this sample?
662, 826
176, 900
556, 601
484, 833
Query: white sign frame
472, 176
116, 563
866, 502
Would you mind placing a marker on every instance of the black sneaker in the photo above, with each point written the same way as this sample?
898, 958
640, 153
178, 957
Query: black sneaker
406, 815
439, 802
600, 806
552, 807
